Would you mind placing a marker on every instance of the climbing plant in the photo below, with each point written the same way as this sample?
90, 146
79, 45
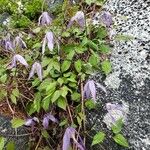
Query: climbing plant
46, 60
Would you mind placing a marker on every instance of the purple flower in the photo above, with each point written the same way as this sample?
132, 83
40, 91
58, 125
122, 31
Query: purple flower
115, 112
79, 18
36, 68
45, 19
18, 42
48, 117
9, 45
49, 40
17, 58
90, 89
31, 121
106, 18
70, 134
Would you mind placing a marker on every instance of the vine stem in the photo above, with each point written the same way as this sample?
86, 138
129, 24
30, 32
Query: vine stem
38, 143
13, 112
70, 114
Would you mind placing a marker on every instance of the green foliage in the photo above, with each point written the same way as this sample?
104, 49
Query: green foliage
106, 67
16, 122
2, 143
117, 127
120, 139
10, 146
98, 138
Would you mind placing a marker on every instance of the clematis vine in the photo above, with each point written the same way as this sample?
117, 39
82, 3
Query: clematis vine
45, 19
8, 45
48, 117
90, 89
106, 18
17, 58
69, 134
36, 68
49, 41
79, 18
18, 42
31, 121
115, 112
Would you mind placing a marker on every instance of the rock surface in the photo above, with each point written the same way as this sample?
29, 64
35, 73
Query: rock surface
130, 79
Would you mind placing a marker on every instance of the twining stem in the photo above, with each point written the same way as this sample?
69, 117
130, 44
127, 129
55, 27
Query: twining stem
9, 106
38, 142
70, 114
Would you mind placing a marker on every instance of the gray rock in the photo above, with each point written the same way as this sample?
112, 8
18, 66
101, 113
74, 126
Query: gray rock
20, 136
130, 78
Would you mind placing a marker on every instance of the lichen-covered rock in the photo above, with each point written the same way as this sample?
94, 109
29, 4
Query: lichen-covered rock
129, 81
19, 136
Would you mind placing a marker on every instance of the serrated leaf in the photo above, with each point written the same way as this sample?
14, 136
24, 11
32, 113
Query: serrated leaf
55, 96
45, 134
3, 78
70, 55
37, 102
102, 33
11, 145
2, 143
93, 60
46, 102
92, 45
63, 123
90, 104
16, 122
78, 65
62, 103
75, 96
65, 65
121, 140
106, 67
116, 128
98, 138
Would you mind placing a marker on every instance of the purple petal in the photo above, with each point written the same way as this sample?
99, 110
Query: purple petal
45, 122
29, 122
50, 40
86, 90
79, 18
19, 58
36, 67
9, 45
45, 19
19, 42
92, 89
52, 118
106, 18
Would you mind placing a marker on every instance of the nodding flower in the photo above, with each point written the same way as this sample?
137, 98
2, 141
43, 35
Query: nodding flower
69, 134
17, 58
79, 18
49, 41
90, 89
36, 68
18, 42
45, 19
48, 117
106, 18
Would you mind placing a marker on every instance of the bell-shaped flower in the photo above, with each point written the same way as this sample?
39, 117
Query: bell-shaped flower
106, 18
49, 41
69, 134
48, 117
79, 18
18, 42
45, 19
31, 122
17, 58
90, 89
115, 112
36, 68
9, 45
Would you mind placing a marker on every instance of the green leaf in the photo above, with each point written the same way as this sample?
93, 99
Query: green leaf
45, 134
63, 123
15, 92
46, 102
92, 45
36, 30
102, 33
66, 65
93, 60
116, 128
2, 143
75, 96
55, 96
70, 55
98, 138
13, 99
106, 67
37, 102
16, 122
64, 91
36, 45
11, 145
90, 104
60, 81
121, 140
104, 48
78, 65
3, 78
62, 103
